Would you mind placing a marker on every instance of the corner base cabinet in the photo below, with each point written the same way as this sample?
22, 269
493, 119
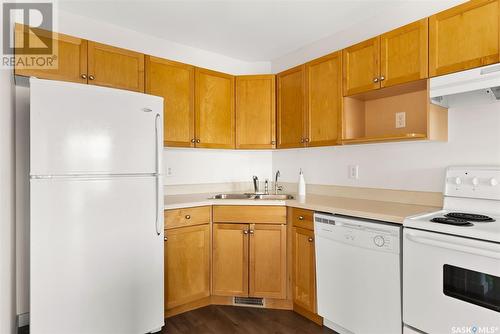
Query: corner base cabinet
249, 251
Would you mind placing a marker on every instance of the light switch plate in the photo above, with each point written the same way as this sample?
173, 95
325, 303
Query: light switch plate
169, 171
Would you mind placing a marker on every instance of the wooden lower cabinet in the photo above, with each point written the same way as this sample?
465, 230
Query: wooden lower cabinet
267, 261
249, 260
303, 264
230, 260
304, 269
187, 265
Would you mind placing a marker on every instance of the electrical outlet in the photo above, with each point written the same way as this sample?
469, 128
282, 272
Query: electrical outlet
170, 171
400, 120
353, 172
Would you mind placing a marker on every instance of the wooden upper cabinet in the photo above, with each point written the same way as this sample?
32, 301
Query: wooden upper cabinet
324, 100
267, 261
114, 67
464, 37
214, 108
361, 69
304, 269
175, 83
187, 265
230, 260
291, 105
71, 53
404, 54
255, 111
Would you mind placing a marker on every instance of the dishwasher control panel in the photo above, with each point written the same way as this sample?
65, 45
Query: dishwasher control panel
369, 234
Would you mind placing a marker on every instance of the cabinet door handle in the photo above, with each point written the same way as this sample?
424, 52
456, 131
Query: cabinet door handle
165, 238
307, 140
302, 140
311, 239
273, 142
91, 77
198, 141
382, 78
375, 79
187, 217
245, 231
193, 140
251, 232
84, 76
301, 217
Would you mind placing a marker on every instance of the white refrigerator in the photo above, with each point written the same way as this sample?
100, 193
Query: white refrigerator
96, 210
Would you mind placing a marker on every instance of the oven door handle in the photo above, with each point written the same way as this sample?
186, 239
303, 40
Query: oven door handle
436, 242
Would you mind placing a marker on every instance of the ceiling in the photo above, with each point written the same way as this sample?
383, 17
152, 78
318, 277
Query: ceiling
246, 30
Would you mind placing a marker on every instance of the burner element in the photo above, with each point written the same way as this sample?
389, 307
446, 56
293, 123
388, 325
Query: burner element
470, 217
451, 221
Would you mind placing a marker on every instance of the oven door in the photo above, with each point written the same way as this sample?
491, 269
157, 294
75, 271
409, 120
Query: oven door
450, 284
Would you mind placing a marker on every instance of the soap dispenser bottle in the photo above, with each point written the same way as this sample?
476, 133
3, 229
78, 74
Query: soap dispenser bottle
302, 184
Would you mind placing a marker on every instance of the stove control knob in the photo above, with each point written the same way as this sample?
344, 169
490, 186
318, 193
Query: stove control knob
475, 181
493, 182
458, 181
379, 240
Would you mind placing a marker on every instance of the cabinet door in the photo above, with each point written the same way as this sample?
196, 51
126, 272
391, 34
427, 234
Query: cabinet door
324, 100
114, 67
255, 111
291, 104
267, 261
361, 67
404, 54
187, 265
71, 55
464, 37
214, 106
304, 269
230, 260
175, 83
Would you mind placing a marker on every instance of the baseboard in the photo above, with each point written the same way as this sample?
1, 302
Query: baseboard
23, 319
308, 314
271, 303
188, 307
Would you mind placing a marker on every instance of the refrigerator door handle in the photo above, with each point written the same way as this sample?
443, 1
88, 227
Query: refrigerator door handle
157, 164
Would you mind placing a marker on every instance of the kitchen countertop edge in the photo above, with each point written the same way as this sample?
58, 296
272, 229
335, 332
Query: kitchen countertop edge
392, 212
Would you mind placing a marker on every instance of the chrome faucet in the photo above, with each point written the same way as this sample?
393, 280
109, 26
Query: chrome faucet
255, 184
266, 187
277, 188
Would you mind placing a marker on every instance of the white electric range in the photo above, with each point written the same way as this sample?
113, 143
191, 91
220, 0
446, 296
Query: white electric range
451, 258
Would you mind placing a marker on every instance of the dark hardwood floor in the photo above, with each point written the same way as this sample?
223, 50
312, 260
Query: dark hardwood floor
245, 320
237, 320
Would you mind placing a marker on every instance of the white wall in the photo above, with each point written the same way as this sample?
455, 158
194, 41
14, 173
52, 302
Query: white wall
103, 32
7, 202
399, 14
194, 166
473, 139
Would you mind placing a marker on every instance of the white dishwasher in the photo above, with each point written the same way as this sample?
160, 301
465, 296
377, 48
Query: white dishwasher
358, 279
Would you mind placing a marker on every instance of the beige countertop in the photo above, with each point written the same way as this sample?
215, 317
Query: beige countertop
379, 210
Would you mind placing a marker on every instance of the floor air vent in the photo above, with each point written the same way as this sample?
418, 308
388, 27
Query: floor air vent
248, 301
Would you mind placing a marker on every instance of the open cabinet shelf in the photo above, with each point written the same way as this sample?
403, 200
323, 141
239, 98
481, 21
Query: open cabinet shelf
372, 116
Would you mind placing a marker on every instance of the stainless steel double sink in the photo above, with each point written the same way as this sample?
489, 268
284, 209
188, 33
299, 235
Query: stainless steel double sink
253, 196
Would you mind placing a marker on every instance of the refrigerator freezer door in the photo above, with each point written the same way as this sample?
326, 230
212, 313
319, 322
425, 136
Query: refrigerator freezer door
85, 129
96, 257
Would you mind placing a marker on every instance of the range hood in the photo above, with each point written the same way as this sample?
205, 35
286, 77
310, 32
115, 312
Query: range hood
477, 86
